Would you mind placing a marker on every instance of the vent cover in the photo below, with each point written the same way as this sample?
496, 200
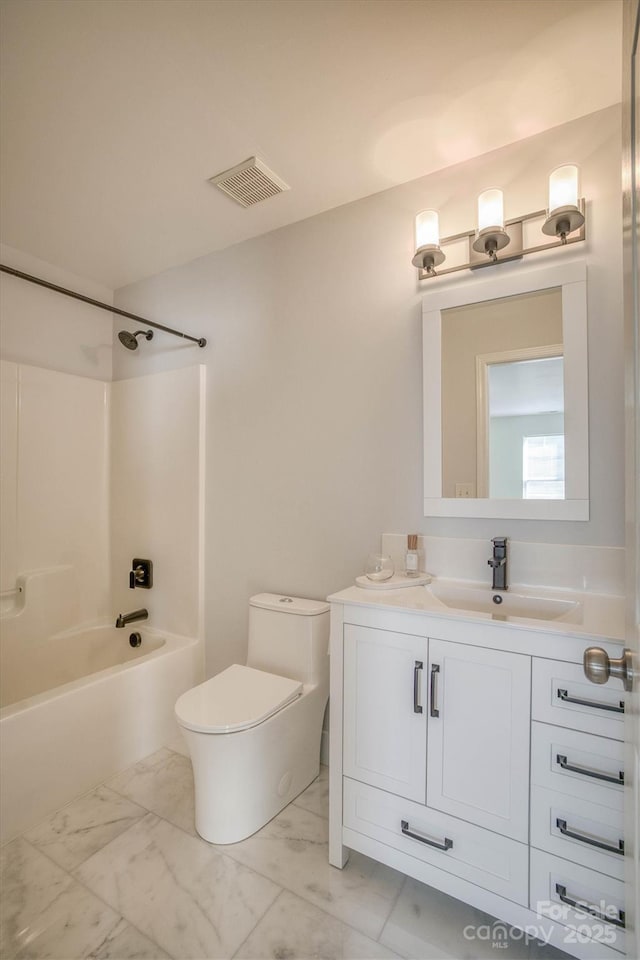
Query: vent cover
249, 182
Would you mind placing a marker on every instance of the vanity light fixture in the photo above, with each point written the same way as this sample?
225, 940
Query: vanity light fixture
491, 235
564, 215
428, 254
563, 221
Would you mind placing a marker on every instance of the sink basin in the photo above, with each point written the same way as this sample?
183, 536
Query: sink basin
479, 599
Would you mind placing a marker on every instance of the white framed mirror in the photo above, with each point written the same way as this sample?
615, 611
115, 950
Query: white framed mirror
505, 388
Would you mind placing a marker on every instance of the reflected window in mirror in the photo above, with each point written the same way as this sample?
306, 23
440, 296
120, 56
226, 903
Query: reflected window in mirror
543, 468
525, 404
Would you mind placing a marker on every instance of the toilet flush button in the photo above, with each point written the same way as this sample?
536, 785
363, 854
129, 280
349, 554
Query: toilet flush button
286, 600
285, 785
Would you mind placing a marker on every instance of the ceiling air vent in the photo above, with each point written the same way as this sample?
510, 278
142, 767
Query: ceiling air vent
249, 182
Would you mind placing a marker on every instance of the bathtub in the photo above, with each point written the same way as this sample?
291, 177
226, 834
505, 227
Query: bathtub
80, 706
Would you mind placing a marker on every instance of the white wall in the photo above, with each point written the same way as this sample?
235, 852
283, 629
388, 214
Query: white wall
48, 329
314, 406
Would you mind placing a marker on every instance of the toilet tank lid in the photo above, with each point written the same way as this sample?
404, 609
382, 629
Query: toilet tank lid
283, 604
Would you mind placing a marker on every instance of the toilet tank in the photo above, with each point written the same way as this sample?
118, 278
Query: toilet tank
289, 636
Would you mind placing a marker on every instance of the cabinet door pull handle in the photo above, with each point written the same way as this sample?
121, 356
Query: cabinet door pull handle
574, 768
564, 695
435, 670
446, 845
584, 907
609, 847
417, 706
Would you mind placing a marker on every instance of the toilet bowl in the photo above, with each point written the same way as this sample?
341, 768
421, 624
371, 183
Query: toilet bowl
253, 731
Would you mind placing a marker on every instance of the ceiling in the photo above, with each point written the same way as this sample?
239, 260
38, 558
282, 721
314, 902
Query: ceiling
116, 112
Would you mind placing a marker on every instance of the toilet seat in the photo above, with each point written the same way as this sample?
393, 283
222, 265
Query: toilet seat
236, 699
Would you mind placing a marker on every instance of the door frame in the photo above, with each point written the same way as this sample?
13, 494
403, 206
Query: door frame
631, 299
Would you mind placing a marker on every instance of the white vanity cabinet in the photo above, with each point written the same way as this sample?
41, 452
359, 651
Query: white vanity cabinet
436, 746
385, 733
577, 783
478, 736
468, 755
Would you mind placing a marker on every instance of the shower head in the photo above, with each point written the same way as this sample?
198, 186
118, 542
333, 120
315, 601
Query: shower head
129, 340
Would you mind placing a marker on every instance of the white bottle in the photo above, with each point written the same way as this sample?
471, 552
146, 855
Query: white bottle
411, 557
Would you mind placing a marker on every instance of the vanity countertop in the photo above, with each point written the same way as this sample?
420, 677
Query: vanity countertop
593, 616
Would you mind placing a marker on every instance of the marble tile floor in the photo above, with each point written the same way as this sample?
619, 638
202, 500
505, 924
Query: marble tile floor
120, 873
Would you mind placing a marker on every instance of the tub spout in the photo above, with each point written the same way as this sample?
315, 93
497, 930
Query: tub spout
125, 618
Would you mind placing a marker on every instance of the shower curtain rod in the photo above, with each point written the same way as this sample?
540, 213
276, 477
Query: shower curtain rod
97, 303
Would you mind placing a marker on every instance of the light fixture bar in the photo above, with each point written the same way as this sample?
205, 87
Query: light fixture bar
513, 253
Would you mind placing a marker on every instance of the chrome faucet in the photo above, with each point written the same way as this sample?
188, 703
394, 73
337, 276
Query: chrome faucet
498, 563
125, 618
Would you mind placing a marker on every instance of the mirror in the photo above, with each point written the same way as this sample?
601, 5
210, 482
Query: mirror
505, 396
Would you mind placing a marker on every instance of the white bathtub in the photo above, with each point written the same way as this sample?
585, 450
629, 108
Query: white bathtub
79, 707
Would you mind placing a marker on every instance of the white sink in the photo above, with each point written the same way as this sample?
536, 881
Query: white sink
480, 599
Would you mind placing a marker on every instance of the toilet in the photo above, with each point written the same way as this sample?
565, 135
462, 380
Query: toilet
254, 731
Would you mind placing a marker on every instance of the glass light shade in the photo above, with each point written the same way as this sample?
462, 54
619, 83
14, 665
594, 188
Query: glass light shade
490, 209
563, 187
427, 229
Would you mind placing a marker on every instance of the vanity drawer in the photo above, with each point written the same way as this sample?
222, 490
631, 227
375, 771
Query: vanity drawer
480, 856
578, 764
589, 903
583, 832
561, 694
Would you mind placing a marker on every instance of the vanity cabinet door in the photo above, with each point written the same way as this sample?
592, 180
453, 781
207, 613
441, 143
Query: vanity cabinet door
385, 729
478, 750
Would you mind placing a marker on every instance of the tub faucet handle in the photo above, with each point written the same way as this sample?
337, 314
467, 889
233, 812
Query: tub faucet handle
141, 574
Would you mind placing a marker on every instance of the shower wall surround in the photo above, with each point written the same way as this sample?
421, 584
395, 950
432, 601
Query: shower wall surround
157, 472
55, 477
94, 474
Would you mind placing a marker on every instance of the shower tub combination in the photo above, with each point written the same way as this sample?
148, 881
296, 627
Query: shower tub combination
78, 707
77, 702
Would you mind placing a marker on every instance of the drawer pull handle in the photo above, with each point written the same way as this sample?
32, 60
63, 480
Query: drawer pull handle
574, 768
417, 706
564, 695
435, 670
584, 907
609, 847
447, 845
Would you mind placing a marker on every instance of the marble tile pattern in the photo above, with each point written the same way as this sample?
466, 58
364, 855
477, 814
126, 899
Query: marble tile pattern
83, 827
429, 924
292, 851
294, 928
163, 784
45, 912
121, 874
